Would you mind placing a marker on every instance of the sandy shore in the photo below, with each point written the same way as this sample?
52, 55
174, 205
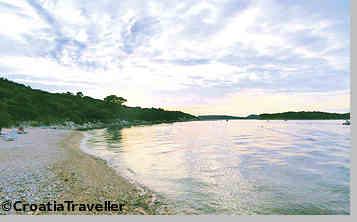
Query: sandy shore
47, 165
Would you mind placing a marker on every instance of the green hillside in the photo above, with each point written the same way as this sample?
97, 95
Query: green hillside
304, 116
20, 103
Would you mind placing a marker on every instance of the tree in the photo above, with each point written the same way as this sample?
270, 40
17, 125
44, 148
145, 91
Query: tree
80, 94
115, 100
52, 108
5, 119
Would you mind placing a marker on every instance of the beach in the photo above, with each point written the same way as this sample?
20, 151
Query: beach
47, 165
250, 167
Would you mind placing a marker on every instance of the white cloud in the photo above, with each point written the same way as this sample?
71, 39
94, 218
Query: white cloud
176, 46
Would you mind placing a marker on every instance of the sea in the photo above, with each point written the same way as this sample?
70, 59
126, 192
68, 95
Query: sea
235, 167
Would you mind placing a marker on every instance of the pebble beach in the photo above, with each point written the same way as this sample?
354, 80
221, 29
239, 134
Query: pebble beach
47, 165
25, 166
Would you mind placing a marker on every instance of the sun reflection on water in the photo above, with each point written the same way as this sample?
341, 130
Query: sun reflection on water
236, 167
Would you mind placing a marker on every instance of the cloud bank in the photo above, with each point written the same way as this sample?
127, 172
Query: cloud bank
193, 55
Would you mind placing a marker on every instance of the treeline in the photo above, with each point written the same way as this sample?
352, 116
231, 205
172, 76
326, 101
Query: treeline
304, 116
219, 117
19, 103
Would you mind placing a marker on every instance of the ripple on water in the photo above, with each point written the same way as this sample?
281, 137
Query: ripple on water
240, 167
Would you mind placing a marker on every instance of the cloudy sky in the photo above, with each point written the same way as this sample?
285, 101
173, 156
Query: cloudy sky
233, 57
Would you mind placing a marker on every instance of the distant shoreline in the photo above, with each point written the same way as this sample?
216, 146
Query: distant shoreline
265, 119
303, 115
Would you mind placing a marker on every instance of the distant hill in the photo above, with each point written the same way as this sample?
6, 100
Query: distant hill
304, 116
252, 116
283, 116
20, 103
218, 117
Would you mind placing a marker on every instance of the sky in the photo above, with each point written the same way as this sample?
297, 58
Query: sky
233, 57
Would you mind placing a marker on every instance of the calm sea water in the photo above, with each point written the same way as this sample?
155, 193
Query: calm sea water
236, 167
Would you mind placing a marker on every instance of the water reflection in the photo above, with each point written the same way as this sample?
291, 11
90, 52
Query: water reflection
240, 167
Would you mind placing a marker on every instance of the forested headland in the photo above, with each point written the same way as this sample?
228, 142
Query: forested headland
315, 115
20, 103
302, 115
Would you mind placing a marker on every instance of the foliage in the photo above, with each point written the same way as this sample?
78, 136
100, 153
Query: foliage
218, 117
5, 119
304, 116
19, 103
115, 100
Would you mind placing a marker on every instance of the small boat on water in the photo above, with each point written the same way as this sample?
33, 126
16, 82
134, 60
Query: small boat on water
347, 122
